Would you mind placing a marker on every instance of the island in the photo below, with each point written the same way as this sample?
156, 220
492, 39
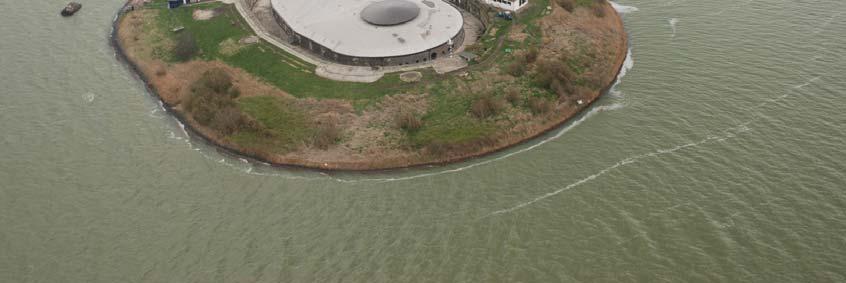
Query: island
355, 85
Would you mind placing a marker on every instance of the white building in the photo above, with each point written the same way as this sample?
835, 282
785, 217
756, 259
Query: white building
372, 33
508, 4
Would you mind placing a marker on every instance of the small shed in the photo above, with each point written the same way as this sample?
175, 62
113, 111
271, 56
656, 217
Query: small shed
176, 3
172, 4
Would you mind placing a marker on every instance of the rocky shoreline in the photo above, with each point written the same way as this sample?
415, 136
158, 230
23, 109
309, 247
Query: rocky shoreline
232, 149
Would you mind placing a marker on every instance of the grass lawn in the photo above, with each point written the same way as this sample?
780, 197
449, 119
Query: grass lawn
264, 60
287, 125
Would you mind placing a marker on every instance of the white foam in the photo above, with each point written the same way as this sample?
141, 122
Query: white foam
182, 126
154, 113
623, 9
628, 64
90, 97
673, 22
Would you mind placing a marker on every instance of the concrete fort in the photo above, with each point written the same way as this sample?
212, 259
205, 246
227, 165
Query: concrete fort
372, 33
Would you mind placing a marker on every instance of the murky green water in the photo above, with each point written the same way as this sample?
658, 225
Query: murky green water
720, 157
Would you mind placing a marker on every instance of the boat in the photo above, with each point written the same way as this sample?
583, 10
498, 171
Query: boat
71, 9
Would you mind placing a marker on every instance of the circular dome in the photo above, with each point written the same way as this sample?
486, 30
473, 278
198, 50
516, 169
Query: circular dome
390, 12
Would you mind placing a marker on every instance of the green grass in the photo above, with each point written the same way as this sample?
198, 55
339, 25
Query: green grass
264, 60
448, 122
277, 68
287, 125
584, 3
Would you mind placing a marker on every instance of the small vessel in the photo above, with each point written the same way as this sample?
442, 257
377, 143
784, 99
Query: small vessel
71, 9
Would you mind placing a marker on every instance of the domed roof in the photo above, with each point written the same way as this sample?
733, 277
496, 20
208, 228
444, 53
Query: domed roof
390, 12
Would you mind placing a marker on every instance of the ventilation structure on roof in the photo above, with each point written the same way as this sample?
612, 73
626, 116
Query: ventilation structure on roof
390, 12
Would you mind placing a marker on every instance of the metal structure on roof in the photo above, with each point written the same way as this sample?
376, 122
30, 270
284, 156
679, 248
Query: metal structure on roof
390, 12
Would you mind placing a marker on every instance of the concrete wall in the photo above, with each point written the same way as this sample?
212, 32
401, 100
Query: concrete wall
328, 54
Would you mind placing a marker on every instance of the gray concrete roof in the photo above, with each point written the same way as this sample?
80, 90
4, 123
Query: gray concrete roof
337, 25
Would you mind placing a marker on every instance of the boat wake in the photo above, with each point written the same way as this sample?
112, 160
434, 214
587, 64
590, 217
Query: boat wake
807, 83
726, 135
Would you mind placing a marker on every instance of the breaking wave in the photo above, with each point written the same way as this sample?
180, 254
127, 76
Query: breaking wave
623, 9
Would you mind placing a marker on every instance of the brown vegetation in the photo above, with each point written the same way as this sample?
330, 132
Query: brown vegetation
372, 137
540, 105
212, 103
522, 62
407, 120
486, 105
327, 132
513, 95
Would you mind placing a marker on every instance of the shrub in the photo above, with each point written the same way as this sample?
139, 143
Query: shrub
204, 105
186, 47
513, 95
212, 103
228, 121
561, 89
215, 80
486, 106
540, 105
516, 68
556, 76
532, 55
568, 5
521, 62
406, 120
583, 92
546, 70
598, 9
326, 133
